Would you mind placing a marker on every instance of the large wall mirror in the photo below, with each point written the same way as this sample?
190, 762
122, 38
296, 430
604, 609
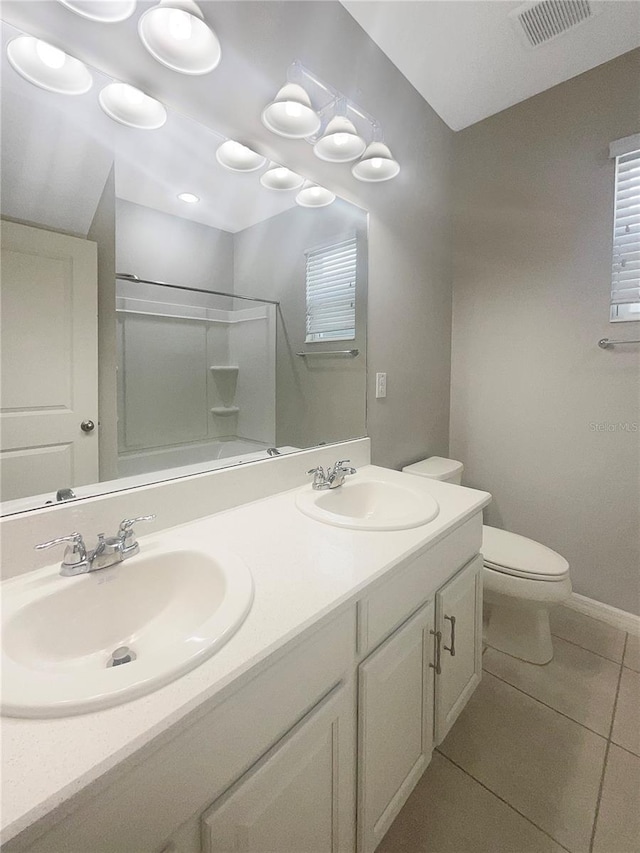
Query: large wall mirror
145, 337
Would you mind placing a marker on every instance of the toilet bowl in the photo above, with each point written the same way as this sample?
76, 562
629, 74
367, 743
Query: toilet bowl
522, 580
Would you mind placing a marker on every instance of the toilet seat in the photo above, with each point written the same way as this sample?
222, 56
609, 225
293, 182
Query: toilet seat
511, 554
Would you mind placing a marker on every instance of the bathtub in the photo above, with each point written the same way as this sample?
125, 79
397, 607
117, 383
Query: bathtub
188, 455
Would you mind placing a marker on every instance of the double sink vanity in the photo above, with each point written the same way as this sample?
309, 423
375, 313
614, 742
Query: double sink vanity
293, 662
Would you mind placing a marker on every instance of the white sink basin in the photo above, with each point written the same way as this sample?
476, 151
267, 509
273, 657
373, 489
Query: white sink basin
172, 608
369, 505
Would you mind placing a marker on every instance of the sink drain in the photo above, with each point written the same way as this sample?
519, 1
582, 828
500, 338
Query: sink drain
122, 654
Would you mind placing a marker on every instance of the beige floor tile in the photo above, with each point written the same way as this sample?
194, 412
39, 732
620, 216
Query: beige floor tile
449, 812
632, 653
543, 764
626, 726
618, 827
589, 633
576, 682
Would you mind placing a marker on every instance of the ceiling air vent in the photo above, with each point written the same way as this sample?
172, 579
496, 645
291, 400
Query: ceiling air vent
538, 23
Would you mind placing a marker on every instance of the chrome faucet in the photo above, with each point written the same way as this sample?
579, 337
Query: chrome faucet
109, 550
334, 476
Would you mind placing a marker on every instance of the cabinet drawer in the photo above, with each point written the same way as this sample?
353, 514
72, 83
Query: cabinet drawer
396, 598
187, 773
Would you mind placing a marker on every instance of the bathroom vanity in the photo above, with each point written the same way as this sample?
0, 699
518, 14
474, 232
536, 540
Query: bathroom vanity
359, 652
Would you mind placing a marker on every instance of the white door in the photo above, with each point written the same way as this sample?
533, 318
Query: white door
300, 797
459, 619
49, 361
395, 725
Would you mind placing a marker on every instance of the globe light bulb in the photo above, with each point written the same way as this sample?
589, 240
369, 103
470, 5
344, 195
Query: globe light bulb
180, 25
293, 109
51, 56
131, 94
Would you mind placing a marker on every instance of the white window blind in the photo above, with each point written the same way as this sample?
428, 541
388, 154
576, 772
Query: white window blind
331, 292
625, 277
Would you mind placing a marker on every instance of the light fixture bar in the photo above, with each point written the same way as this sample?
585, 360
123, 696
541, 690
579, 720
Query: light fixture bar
332, 98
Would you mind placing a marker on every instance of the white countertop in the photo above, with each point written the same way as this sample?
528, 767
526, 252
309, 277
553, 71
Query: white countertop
302, 570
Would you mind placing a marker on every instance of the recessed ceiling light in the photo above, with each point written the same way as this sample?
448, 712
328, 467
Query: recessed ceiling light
238, 157
130, 106
281, 178
190, 198
313, 195
290, 114
107, 11
340, 142
176, 34
48, 67
377, 164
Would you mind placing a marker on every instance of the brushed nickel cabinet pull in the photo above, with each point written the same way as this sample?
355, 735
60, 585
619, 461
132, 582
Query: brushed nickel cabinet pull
436, 665
452, 648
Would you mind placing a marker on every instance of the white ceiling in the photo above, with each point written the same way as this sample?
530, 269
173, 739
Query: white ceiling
467, 60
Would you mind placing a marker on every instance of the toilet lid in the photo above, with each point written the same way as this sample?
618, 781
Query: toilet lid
516, 555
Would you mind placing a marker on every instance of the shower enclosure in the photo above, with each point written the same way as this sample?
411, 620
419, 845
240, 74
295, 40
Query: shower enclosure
196, 377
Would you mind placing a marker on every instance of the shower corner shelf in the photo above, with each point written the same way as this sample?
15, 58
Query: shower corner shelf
225, 411
224, 368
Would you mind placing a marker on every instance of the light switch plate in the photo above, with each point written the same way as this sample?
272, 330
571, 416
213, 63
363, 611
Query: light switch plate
381, 385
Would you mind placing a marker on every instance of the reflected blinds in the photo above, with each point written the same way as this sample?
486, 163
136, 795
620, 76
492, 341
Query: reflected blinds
331, 292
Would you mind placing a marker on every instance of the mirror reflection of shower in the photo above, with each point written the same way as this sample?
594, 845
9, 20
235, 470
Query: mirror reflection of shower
196, 377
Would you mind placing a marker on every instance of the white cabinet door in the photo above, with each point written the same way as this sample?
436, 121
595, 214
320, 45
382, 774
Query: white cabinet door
49, 358
395, 718
459, 621
299, 798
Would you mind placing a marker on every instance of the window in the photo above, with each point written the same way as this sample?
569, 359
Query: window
625, 277
331, 292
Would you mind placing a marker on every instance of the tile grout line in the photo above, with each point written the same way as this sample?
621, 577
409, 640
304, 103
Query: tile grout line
550, 707
502, 800
606, 752
625, 749
585, 649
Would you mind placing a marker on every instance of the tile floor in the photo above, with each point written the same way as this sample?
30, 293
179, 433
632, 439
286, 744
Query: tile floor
543, 759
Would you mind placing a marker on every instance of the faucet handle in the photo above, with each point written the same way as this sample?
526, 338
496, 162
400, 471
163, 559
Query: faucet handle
318, 470
127, 523
340, 466
126, 533
78, 551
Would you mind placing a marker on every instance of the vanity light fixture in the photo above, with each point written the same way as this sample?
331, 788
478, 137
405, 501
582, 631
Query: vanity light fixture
340, 142
48, 67
290, 114
238, 157
280, 178
176, 34
130, 106
313, 195
376, 164
190, 198
106, 11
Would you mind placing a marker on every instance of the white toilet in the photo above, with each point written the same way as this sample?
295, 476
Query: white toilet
522, 580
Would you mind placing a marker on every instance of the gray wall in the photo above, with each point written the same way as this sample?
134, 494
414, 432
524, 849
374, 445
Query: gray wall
409, 320
161, 247
534, 196
317, 399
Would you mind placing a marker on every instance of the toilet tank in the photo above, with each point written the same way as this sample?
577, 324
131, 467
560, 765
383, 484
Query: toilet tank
437, 468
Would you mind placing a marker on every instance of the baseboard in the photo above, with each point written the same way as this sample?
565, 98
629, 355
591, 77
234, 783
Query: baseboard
604, 612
